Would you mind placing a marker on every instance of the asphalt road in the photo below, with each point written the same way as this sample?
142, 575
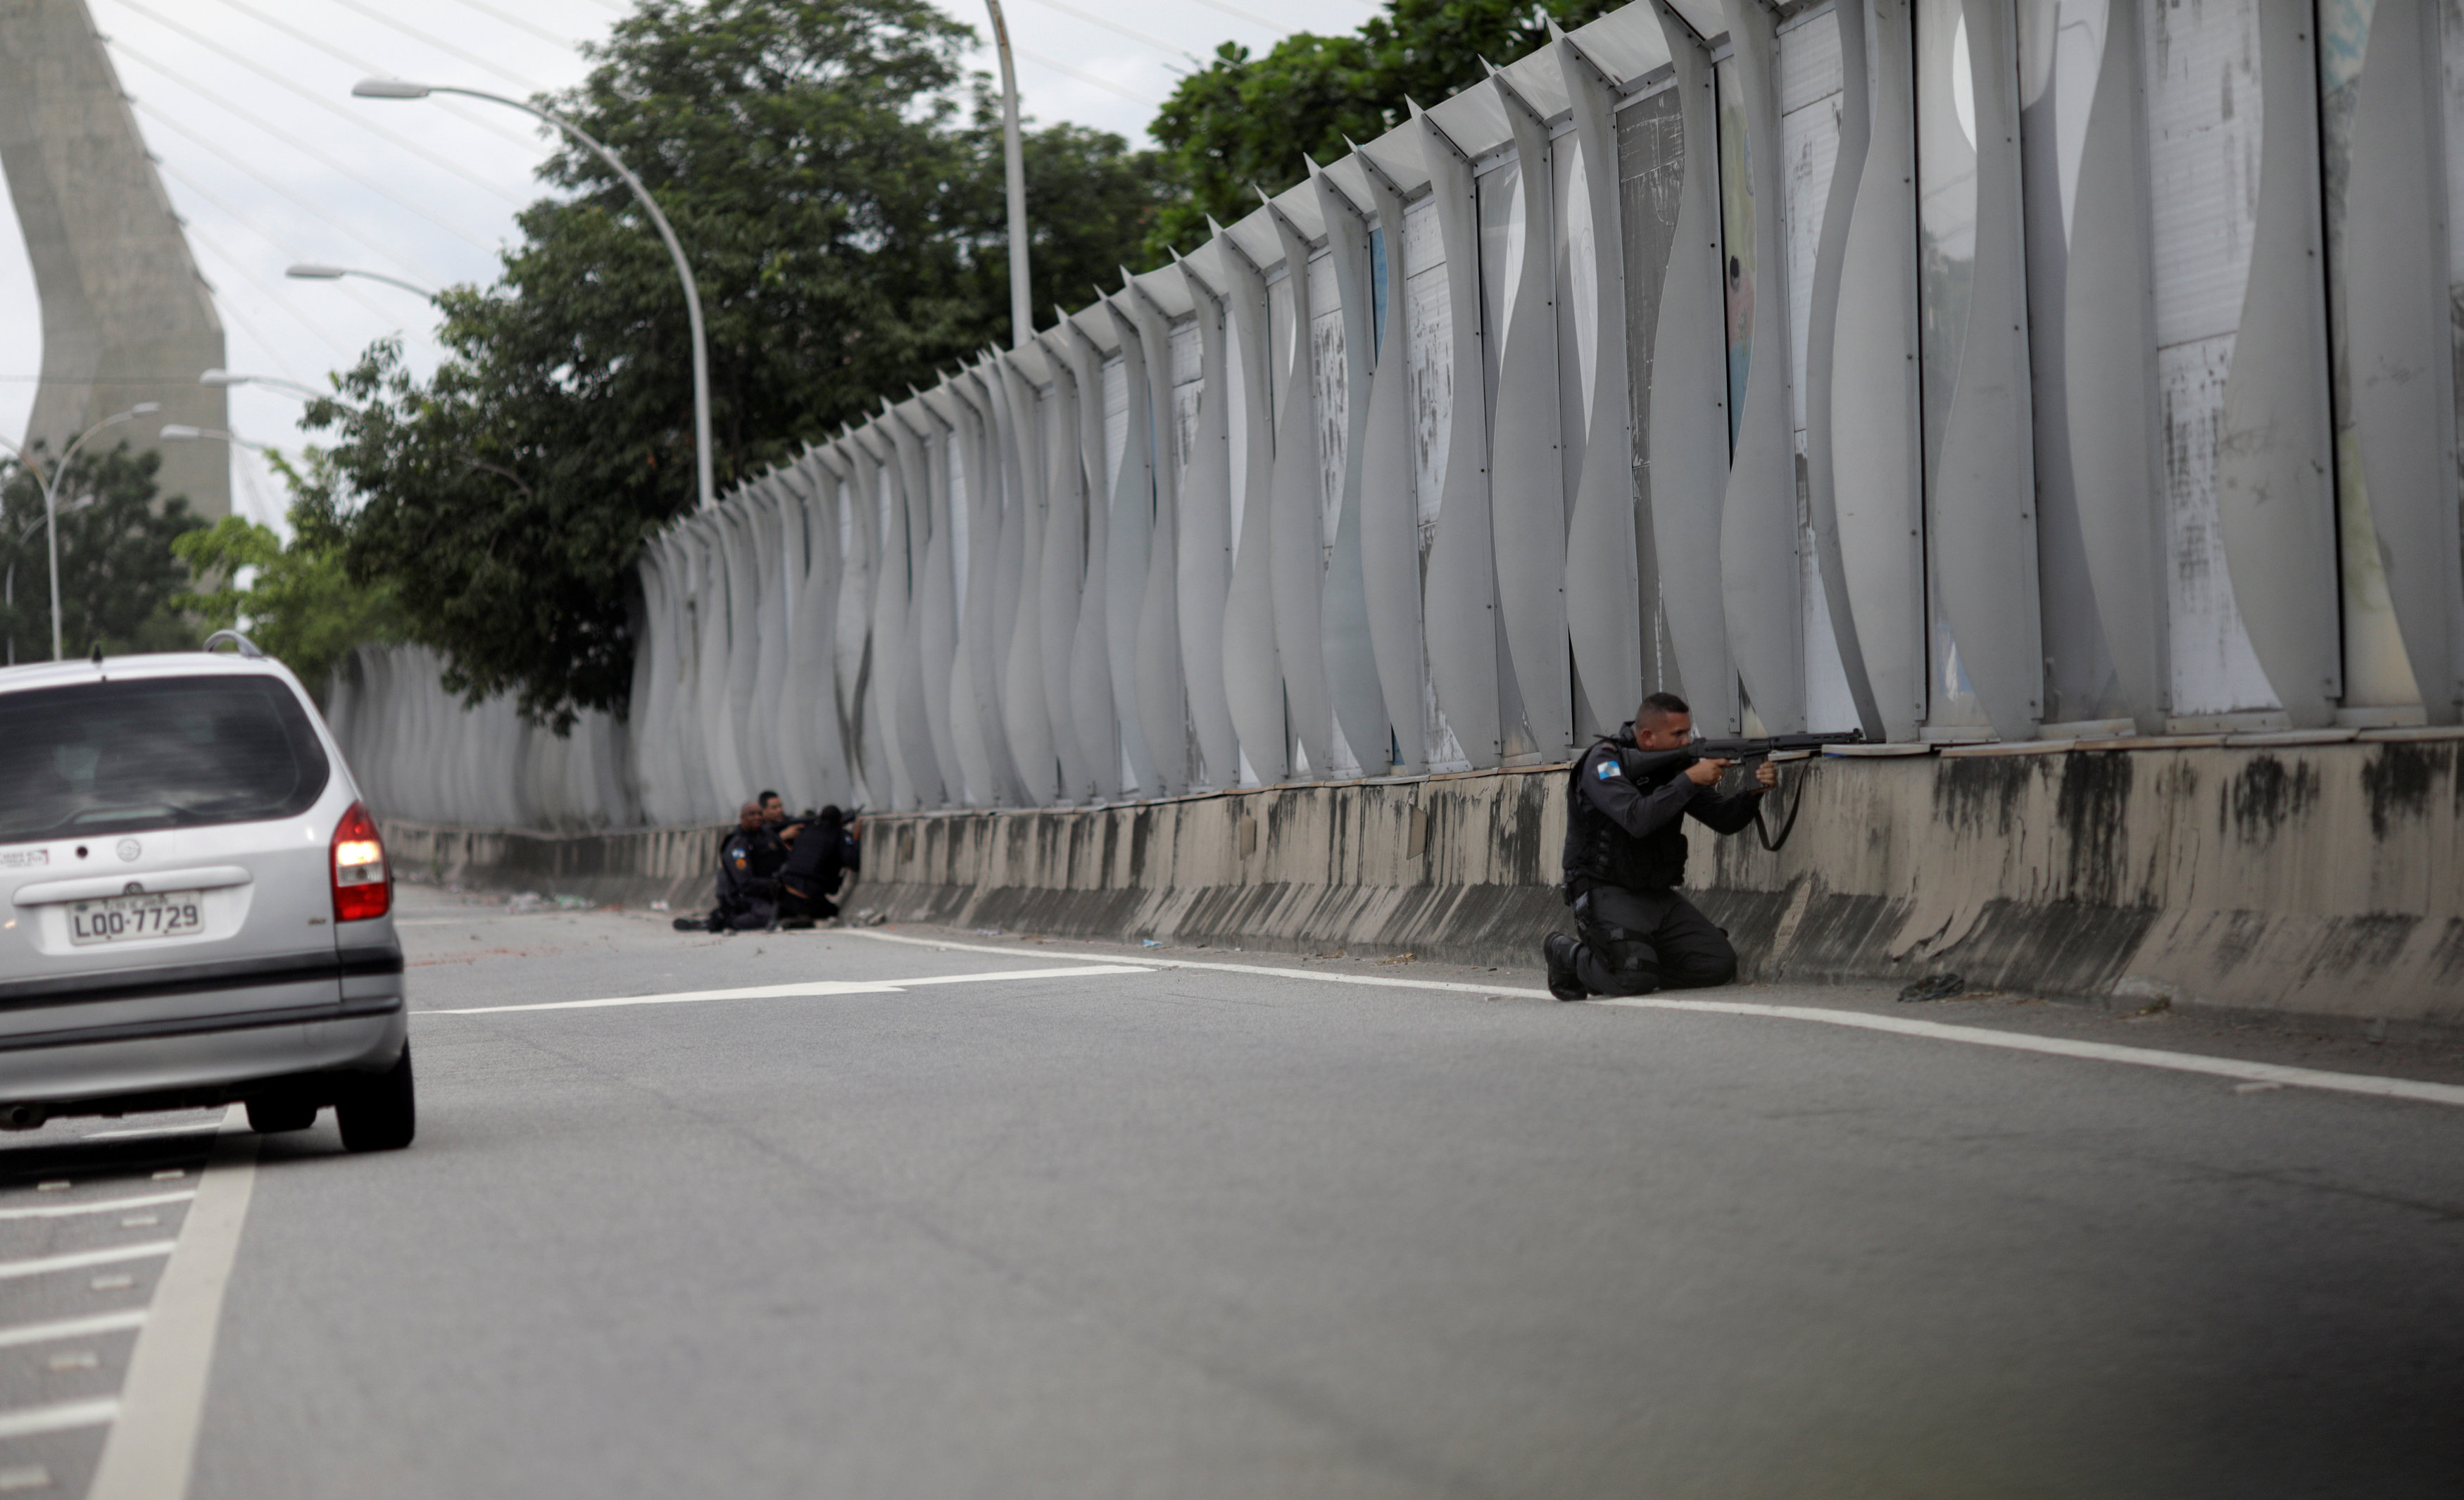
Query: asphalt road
1136, 1230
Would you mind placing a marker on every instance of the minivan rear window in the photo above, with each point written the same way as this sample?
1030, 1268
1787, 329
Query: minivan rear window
108, 757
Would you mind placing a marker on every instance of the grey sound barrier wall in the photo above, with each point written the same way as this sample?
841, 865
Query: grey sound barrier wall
1954, 369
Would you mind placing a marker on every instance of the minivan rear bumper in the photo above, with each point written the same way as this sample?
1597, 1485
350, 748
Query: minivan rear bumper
85, 1040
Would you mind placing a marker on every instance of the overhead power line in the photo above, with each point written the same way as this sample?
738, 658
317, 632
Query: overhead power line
440, 44
1084, 77
463, 112
226, 306
312, 153
1251, 17
280, 249
516, 21
331, 106
1111, 25
173, 126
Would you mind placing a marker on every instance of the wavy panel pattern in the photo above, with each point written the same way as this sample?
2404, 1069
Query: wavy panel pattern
1689, 406
1065, 565
1205, 579
1296, 554
2401, 344
1163, 714
1758, 558
1350, 659
1390, 541
1604, 589
1090, 659
1015, 617
1253, 677
2275, 493
1527, 509
1459, 584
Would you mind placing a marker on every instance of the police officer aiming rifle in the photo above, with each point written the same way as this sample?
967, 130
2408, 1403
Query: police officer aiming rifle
1627, 801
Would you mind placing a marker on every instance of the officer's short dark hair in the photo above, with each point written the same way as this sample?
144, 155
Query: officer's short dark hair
1661, 705
831, 814
765, 797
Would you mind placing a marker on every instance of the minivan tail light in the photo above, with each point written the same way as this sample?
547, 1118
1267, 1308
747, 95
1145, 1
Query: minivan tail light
362, 887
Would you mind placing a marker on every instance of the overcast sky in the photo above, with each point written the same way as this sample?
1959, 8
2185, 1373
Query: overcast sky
270, 159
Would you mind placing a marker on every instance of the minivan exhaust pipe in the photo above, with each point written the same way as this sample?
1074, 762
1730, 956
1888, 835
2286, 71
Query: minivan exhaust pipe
24, 1116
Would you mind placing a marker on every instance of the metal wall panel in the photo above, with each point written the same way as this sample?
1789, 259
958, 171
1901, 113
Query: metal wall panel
1460, 576
1759, 574
2401, 344
1689, 406
2275, 503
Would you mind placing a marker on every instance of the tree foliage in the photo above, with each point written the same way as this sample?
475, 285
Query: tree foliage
120, 574
836, 184
293, 599
1245, 121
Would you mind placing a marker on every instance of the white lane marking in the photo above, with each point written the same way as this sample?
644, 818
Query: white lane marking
153, 1446
2371, 1085
150, 1130
80, 1260
803, 988
71, 1328
26, 1420
104, 1206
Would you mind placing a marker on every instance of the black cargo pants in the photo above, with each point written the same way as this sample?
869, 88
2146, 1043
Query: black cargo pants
1632, 943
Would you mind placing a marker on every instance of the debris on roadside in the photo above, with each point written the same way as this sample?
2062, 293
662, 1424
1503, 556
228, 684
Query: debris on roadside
1936, 987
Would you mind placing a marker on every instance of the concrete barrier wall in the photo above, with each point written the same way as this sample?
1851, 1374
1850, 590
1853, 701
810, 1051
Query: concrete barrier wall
2316, 876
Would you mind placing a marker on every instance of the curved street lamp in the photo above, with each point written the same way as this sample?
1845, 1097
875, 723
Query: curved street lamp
182, 432
220, 377
397, 88
311, 271
50, 495
1021, 316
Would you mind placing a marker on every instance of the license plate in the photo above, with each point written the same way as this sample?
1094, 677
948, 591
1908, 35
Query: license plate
134, 919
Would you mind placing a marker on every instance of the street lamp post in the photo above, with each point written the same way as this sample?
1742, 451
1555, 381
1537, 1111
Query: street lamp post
396, 88
51, 495
9, 589
1022, 314
311, 271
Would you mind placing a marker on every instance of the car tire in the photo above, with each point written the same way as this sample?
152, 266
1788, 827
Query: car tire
279, 1113
376, 1110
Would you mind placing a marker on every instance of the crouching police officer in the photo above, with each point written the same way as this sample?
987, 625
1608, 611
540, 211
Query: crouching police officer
1625, 856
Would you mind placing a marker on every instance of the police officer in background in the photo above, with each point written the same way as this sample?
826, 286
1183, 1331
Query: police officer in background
1625, 857
749, 859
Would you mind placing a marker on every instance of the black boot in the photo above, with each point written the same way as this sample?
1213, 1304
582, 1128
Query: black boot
1559, 950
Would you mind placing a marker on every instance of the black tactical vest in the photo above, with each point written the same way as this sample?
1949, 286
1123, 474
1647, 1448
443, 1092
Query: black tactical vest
1599, 852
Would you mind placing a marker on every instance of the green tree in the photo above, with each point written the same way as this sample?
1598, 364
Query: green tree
1242, 120
120, 574
293, 599
835, 182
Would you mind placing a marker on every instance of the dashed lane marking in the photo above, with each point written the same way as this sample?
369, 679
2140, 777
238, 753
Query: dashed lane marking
103, 1206
79, 1260
153, 1445
2370, 1085
26, 1420
805, 988
71, 1328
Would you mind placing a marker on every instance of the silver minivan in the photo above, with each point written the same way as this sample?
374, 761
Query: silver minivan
194, 903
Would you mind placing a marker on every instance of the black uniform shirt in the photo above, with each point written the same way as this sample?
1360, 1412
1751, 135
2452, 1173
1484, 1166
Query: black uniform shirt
1644, 811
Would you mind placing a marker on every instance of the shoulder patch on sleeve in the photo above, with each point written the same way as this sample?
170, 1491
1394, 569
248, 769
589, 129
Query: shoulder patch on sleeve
1609, 768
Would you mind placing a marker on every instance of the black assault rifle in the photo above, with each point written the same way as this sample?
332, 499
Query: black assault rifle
1649, 767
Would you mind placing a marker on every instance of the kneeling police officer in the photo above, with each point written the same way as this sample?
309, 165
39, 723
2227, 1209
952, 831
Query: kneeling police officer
1625, 856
